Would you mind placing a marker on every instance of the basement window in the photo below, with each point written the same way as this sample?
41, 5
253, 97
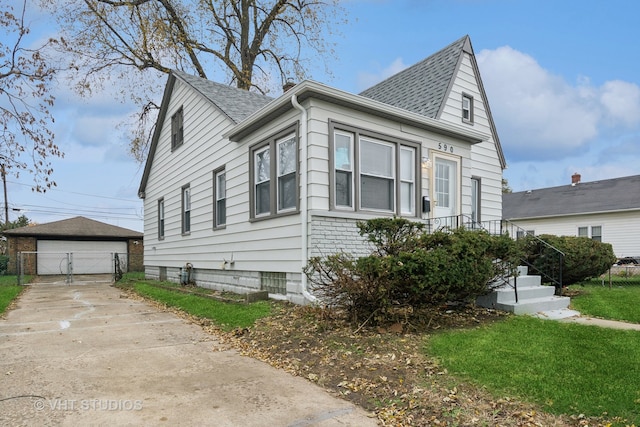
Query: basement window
274, 283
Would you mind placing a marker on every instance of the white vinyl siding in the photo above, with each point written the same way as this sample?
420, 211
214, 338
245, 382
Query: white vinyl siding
484, 163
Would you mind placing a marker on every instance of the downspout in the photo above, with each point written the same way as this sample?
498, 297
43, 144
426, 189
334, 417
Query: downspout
304, 214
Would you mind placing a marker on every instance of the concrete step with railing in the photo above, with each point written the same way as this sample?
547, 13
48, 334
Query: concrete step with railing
532, 297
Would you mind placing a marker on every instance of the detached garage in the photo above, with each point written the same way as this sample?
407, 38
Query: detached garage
73, 246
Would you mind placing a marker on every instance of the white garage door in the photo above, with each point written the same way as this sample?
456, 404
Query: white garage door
87, 257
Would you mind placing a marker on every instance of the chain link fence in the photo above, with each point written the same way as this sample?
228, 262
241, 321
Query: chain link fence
63, 266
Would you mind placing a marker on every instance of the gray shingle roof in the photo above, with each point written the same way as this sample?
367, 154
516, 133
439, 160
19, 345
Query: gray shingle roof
618, 194
76, 227
236, 103
421, 88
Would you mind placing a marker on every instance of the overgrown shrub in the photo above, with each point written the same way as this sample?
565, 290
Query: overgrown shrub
584, 258
410, 269
4, 264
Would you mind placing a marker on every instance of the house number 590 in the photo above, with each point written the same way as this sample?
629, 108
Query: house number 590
445, 147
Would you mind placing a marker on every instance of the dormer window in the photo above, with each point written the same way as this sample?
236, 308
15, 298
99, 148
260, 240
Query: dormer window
467, 108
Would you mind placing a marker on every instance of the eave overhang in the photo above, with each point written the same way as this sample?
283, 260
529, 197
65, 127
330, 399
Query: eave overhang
310, 89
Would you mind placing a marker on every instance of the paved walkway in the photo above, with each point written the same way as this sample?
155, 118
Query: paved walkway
82, 354
573, 316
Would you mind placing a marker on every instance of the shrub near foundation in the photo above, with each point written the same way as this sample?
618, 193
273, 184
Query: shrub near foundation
409, 269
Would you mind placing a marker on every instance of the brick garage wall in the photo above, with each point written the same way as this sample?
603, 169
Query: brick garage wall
331, 235
135, 248
21, 244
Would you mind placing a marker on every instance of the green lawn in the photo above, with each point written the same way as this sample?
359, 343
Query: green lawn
566, 368
619, 302
9, 290
227, 315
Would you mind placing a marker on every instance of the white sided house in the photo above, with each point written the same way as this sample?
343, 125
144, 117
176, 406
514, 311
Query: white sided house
245, 188
606, 210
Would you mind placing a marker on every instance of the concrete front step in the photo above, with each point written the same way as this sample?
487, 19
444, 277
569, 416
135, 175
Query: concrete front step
532, 296
535, 305
508, 294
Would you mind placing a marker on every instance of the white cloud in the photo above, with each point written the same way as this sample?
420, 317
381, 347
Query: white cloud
551, 128
538, 114
366, 80
621, 101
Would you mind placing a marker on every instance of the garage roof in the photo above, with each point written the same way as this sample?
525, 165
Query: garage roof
75, 227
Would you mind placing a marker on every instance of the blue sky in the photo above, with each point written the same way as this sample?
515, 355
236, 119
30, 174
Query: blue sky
562, 77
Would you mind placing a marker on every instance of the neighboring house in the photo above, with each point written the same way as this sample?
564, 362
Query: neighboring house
245, 188
607, 211
87, 245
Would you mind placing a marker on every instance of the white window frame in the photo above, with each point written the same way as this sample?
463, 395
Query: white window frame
407, 180
275, 178
286, 174
256, 183
356, 135
476, 199
186, 209
340, 169
467, 108
161, 222
391, 178
220, 197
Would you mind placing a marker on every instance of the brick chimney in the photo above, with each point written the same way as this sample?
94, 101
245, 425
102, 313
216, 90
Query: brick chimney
287, 85
575, 178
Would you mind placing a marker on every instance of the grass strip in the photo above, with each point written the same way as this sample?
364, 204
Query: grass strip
567, 368
9, 291
226, 315
615, 303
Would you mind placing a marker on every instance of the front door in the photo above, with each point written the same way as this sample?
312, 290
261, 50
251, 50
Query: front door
445, 191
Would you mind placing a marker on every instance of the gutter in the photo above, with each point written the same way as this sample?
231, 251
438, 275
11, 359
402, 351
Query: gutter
304, 214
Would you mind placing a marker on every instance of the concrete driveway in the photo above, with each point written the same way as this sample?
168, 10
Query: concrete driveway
86, 355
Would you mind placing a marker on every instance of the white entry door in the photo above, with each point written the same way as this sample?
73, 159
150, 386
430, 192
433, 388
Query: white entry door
446, 190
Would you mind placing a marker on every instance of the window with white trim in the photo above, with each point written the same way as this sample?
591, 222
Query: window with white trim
467, 108
373, 172
343, 159
275, 183
161, 219
186, 209
287, 163
595, 234
220, 198
475, 200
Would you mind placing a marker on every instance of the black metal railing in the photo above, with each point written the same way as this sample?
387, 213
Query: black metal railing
543, 259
